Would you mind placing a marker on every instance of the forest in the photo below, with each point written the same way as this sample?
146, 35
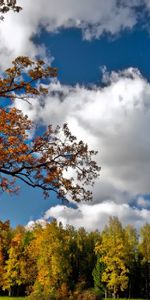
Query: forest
52, 262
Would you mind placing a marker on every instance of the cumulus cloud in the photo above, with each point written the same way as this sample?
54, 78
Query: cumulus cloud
93, 17
114, 120
96, 216
31, 224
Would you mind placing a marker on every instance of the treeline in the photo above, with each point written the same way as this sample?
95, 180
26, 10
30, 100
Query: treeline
55, 263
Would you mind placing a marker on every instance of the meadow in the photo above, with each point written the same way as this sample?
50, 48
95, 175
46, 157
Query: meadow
12, 298
23, 298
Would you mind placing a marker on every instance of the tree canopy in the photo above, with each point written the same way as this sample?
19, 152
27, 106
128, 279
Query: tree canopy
53, 262
43, 160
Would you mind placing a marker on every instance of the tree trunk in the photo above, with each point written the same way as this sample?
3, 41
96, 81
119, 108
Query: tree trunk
114, 293
147, 280
9, 292
129, 295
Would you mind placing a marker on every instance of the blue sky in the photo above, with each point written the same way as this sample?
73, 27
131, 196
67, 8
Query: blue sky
80, 61
102, 54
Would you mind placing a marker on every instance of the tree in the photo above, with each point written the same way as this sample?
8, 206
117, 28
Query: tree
112, 253
42, 161
19, 265
5, 240
97, 276
132, 261
52, 252
7, 5
85, 258
144, 248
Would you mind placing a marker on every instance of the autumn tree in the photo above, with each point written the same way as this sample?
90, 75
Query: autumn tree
51, 249
14, 263
7, 5
52, 262
43, 161
112, 253
18, 272
5, 240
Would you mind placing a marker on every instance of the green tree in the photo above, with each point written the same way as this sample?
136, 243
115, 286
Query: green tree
144, 248
132, 261
97, 276
82, 257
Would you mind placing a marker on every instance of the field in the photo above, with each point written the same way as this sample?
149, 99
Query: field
12, 298
23, 298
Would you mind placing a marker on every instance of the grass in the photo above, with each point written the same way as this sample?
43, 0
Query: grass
12, 298
23, 298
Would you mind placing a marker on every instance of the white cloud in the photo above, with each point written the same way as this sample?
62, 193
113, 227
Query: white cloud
93, 17
115, 120
31, 224
96, 216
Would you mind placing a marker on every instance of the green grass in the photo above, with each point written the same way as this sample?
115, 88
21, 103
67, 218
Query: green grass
12, 298
23, 298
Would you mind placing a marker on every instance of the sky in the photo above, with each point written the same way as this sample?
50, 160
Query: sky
101, 49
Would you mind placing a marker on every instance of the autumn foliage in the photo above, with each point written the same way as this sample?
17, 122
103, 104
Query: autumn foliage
53, 262
43, 160
7, 5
